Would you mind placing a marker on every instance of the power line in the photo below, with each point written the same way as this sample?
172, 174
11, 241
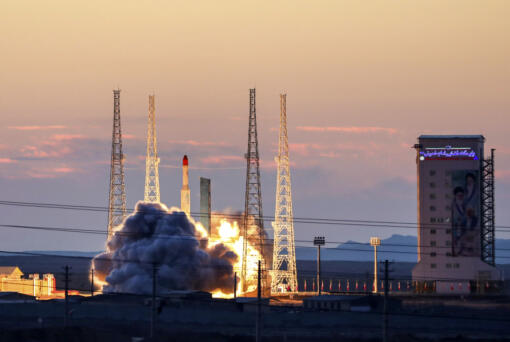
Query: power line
304, 220
150, 263
192, 237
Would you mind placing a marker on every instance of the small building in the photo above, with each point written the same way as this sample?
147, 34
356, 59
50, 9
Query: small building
11, 280
11, 272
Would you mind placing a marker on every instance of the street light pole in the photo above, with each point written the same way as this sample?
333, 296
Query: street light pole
375, 241
319, 241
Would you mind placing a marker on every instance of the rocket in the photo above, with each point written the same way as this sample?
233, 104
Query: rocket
185, 195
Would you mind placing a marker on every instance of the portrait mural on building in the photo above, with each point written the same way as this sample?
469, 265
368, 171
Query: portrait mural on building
465, 208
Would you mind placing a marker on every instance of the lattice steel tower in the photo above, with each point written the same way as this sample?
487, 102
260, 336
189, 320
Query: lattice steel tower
284, 275
488, 223
152, 160
117, 196
253, 227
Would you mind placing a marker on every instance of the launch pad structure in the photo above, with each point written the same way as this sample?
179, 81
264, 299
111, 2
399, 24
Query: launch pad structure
152, 160
253, 226
284, 274
117, 194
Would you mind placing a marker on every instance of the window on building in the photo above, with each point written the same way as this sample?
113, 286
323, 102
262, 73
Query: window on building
432, 243
448, 208
432, 208
433, 265
432, 172
432, 231
447, 219
432, 184
448, 265
448, 253
433, 219
440, 220
448, 243
447, 196
432, 196
456, 265
432, 254
448, 231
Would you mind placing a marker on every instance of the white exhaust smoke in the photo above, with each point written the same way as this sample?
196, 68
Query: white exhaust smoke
169, 239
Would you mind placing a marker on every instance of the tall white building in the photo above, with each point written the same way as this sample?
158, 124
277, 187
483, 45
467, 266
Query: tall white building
450, 170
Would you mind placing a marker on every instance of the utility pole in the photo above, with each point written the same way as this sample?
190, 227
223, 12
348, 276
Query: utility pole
319, 241
66, 303
258, 327
153, 309
385, 313
92, 282
235, 285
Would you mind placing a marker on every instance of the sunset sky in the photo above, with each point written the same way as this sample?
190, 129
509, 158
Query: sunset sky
363, 78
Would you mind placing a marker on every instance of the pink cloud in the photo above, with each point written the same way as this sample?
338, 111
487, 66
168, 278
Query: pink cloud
63, 170
328, 150
299, 149
220, 159
56, 146
40, 175
271, 164
502, 174
331, 155
36, 128
7, 161
348, 129
50, 172
66, 137
36, 152
198, 143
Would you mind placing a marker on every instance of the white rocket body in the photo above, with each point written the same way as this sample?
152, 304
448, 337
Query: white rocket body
185, 194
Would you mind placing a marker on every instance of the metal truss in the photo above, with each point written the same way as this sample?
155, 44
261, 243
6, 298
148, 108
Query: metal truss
117, 195
152, 160
284, 275
488, 224
253, 227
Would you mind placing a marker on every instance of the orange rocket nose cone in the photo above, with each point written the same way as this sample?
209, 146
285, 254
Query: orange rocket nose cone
185, 160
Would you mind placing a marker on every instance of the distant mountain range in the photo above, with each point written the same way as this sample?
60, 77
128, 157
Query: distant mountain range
397, 248
67, 253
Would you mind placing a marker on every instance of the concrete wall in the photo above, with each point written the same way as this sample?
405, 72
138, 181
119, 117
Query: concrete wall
32, 286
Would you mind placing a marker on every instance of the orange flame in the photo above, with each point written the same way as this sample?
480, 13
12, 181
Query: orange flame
229, 235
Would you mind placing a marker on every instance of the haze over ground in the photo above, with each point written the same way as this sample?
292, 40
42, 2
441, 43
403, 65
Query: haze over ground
363, 81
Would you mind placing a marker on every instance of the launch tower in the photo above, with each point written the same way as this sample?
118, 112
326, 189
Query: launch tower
284, 275
152, 160
253, 227
117, 196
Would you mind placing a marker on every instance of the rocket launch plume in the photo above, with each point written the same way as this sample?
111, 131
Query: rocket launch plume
180, 248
